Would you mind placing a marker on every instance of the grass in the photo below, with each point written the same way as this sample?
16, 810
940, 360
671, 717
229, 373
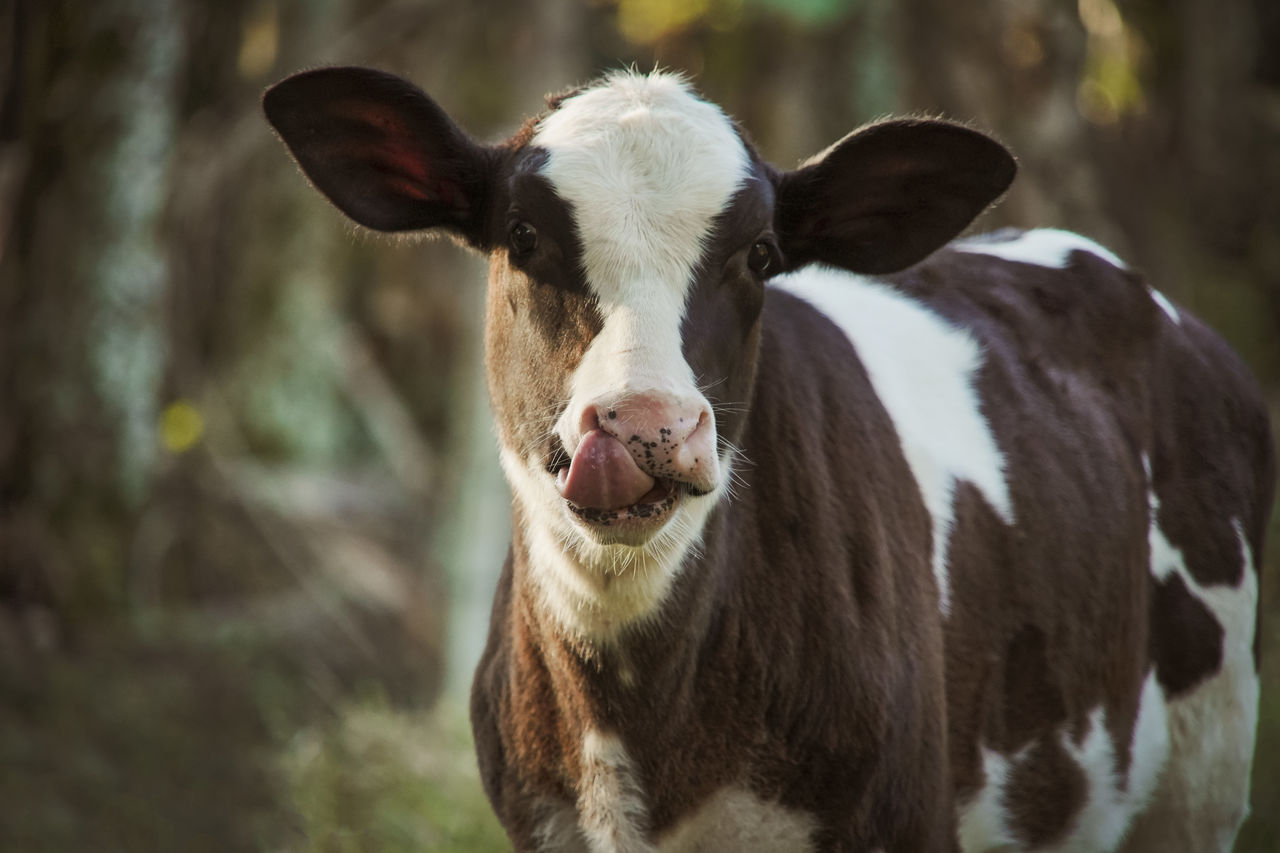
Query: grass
382, 780
136, 746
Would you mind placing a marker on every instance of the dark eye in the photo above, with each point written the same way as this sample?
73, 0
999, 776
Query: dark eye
523, 237
760, 258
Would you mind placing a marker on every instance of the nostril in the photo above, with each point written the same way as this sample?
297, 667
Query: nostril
704, 418
590, 419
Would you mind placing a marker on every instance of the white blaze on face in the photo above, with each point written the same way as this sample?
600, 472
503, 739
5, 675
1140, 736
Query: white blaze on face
646, 167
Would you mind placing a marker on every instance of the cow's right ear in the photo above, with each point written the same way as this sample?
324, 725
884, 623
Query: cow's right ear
382, 151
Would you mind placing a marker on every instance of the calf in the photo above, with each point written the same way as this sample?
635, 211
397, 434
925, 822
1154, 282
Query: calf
962, 556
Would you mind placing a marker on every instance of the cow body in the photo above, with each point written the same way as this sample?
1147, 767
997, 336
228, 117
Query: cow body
957, 557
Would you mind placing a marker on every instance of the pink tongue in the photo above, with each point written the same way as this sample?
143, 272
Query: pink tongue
603, 475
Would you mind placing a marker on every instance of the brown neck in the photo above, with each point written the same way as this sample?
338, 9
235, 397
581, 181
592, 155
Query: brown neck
644, 662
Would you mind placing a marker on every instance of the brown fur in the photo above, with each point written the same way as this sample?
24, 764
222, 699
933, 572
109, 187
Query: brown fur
744, 648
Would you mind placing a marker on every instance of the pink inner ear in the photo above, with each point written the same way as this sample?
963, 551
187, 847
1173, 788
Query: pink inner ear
372, 114
396, 154
405, 171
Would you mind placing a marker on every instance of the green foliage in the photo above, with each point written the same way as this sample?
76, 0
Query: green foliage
810, 13
381, 780
133, 747
172, 745
287, 386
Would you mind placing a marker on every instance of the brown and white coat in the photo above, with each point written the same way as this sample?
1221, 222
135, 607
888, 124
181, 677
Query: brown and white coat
828, 536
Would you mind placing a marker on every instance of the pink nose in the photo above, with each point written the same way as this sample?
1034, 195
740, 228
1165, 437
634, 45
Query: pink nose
666, 437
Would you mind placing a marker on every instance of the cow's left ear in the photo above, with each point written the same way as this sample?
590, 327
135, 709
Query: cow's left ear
889, 194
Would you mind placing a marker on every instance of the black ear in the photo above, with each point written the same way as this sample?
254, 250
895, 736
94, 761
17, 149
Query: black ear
382, 151
887, 195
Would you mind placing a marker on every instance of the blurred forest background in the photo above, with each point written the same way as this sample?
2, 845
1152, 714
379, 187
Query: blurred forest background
250, 516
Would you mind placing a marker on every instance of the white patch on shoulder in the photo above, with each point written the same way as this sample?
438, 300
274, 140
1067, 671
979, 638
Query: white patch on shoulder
1203, 796
923, 369
1045, 247
611, 806
736, 819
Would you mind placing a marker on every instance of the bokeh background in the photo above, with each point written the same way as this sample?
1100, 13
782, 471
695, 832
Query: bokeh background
250, 516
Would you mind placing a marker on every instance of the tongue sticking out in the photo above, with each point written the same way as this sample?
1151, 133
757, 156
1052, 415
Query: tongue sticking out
603, 475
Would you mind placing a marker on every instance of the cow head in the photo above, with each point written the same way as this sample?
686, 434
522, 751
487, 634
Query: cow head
630, 232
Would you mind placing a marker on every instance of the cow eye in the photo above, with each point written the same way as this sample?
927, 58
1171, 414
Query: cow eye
760, 258
523, 238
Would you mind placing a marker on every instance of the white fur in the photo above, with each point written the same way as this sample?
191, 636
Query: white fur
738, 820
646, 167
1111, 801
613, 810
1103, 819
611, 806
1046, 247
983, 823
1051, 247
923, 370
1166, 306
1149, 748
594, 591
1203, 796
1188, 782
559, 831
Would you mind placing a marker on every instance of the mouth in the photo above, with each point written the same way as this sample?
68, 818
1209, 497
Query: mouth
651, 510
629, 520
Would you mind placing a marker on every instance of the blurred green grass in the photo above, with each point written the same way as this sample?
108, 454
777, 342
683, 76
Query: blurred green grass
145, 746
379, 779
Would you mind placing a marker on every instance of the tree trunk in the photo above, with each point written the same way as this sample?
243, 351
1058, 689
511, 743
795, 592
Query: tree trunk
89, 123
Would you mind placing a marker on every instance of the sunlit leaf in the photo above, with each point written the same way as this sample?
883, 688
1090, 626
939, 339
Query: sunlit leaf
181, 426
259, 43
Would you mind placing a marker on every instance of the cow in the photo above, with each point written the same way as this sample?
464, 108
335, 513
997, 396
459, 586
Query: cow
832, 529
